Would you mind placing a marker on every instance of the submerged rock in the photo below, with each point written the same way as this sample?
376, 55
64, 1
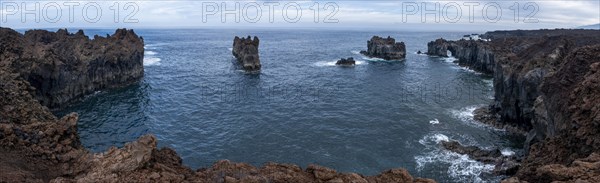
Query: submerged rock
503, 165
346, 62
385, 48
245, 51
474, 152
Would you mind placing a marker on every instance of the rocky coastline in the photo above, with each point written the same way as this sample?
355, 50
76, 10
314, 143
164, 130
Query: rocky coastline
37, 146
385, 48
63, 67
546, 86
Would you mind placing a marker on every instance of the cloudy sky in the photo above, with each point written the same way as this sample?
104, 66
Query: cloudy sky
444, 15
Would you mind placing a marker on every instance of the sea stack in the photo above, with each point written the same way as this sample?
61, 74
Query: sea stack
245, 51
385, 48
346, 62
63, 67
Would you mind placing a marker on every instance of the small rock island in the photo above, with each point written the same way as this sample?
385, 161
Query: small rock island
245, 51
385, 48
346, 62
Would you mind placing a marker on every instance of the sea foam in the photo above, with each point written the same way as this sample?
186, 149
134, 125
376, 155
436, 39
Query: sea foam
461, 168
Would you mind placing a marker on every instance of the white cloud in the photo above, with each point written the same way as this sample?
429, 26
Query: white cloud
357, 14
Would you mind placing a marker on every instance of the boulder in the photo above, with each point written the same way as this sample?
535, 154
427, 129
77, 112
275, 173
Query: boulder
346, 62
245, 50
385, 48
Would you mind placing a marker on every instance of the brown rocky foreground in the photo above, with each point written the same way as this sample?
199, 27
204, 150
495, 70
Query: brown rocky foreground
43, 69
547, 86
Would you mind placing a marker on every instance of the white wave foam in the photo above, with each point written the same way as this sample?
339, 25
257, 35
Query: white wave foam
432, 139
371, 59
507, 152
461, 168
450, 59
151, 61
150, 53
230, 49
434, 121
467, 115
464, 114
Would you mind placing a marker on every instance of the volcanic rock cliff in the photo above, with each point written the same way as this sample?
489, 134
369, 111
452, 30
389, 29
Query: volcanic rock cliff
36, 146
385, 48
63, 67
245, 51
546, 84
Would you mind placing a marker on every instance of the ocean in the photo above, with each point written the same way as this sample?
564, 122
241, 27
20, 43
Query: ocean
300, 108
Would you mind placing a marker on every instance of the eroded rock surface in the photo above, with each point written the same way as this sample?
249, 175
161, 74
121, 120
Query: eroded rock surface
346, 62
385, 48
245, 50
546, 84
63, 67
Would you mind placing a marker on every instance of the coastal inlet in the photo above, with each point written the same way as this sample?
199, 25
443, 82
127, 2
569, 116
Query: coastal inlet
300, 108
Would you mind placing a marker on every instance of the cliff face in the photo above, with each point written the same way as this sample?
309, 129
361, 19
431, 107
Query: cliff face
36, 146
385, 48
245, 51
63, 67
536, 75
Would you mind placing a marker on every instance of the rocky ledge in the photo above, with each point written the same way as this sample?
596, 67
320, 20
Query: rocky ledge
385, 48
245, 50
546, 84
503, 164
36, 146
346, 62
63, 67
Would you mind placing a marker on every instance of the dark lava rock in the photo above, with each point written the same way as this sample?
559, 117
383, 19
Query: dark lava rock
245, 51
385, 48
545, 83
486, 156
64, 67
346, 62
503, 165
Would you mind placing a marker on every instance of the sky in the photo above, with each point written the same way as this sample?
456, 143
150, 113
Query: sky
415, 15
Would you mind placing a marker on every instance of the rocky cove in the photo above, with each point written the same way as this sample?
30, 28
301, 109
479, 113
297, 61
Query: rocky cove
545, 87
50, 148
43, 70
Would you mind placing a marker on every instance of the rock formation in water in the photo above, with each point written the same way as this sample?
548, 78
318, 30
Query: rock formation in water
36, 146
346, 62
385, 48
64, 67
546, 84
245, 51
503, 164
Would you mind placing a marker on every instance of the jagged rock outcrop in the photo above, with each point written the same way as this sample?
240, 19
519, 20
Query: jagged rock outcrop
346, 62
385, 48
245, 50
36, 146
63, 67
503, 165
543, 84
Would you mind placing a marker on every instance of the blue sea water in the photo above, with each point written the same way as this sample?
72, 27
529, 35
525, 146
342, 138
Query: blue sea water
300, 108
